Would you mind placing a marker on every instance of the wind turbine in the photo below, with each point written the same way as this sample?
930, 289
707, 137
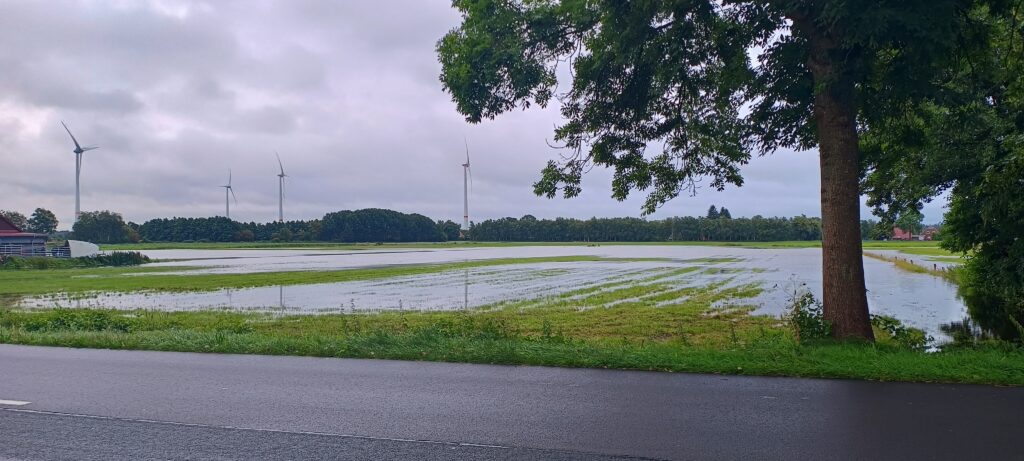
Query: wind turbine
280, 189
467, 178
227, 202
79, 150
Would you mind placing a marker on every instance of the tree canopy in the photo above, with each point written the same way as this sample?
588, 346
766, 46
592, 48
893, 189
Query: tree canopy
15, 218
43, 221
966, 141
101, 227
667, 93
369, 225
756, 229
674, 77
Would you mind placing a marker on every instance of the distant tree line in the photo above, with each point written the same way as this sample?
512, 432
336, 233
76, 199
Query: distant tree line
367, 225
379, 225
718, 226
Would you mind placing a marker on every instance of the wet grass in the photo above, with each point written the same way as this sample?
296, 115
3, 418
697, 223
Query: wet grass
913, 247
38, 282
909, 265
663, 325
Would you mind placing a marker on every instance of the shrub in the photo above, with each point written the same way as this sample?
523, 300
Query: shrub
117, 258
78, 320
911, 338
806, 319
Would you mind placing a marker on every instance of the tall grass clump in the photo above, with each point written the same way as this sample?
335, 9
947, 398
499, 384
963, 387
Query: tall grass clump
114, 259
806, 319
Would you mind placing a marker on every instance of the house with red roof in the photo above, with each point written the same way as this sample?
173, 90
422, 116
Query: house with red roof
929, 233
15, 242
900, 234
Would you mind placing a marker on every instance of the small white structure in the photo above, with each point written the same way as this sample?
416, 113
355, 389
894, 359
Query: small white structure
80, 249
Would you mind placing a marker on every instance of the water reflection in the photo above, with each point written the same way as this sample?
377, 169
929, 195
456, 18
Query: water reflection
987, 319
920, 300
967, 331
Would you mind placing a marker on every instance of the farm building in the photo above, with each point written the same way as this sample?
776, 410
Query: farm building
928, 233
14, 242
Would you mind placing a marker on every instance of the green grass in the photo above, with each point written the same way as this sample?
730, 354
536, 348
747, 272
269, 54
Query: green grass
912, 266
115, 259
659, 325
656, 323
36, 282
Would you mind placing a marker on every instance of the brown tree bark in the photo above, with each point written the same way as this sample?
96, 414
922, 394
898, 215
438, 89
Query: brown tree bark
844, 301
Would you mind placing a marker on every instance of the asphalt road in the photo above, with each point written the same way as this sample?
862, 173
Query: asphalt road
98, 404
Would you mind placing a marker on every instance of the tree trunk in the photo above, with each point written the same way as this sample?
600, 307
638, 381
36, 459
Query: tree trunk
845, 302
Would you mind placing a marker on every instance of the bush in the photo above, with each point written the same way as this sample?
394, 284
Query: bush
115, 259
78, 320
806, 319
911, 338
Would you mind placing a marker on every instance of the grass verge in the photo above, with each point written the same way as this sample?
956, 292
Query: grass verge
657, 324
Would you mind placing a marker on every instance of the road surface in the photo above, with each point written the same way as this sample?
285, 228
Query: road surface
101, 404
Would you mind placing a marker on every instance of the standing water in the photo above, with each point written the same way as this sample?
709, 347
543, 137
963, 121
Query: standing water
919, 300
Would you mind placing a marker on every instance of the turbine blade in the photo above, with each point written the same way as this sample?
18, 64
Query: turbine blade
90, 148
229, 177
233, 195
470, 178
69, 134
279, 162
467, 149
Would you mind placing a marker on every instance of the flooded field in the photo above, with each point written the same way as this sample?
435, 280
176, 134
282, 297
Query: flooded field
920, 300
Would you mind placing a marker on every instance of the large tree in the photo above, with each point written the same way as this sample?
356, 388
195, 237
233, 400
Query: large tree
666, 93
15, 218
101, 227
43, 221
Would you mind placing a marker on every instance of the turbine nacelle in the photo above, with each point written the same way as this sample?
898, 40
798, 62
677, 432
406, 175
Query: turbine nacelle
280, 165
227, 187
78, 147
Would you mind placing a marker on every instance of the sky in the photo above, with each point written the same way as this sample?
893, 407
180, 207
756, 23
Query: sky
177, 93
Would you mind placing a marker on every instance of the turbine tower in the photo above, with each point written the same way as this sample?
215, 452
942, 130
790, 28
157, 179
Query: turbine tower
467, 177
79, 150
227, 201
280, 189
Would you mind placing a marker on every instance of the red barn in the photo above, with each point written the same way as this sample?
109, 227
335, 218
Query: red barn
14, 242
900, 234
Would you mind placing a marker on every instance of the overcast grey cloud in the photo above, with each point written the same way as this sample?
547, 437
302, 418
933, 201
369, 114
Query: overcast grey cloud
176, 93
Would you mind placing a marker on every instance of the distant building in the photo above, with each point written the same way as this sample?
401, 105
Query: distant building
14, 242
900, 234
928, 233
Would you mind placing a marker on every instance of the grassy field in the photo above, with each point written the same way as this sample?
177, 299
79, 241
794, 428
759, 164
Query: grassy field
917, 266
121, 279
618, 325
657, 324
